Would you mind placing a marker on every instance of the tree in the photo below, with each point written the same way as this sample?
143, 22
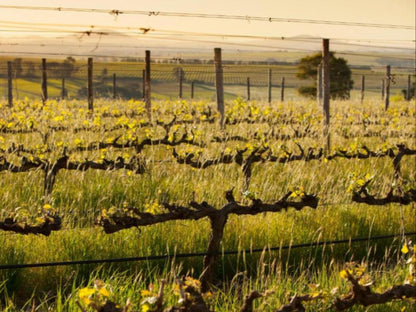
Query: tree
17, 67
64, 69
68, 67
412, 91
54, 70
339, 72
103, 76
177, 72
30, 69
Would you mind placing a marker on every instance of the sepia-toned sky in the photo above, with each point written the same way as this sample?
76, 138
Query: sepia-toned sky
313, 18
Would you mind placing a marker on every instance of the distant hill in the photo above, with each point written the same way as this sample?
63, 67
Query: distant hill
111, 45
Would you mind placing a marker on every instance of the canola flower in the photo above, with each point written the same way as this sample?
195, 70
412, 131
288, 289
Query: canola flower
95, 296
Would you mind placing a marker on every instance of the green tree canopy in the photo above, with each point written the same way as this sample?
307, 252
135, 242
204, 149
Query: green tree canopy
412, 91
64, 69
17, 67
68, 66
177, 72
339, 72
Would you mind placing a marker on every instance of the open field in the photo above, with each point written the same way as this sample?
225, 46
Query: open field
165, 81
41, 134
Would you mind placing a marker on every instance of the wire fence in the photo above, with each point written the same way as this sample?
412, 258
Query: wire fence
203, 254
181, 78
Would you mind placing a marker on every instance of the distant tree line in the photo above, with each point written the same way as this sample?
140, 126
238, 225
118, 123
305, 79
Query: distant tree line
412, 91
230, 62
175, 60
29, 69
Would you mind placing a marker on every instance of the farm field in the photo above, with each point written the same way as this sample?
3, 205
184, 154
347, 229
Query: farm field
165, 80
69, 172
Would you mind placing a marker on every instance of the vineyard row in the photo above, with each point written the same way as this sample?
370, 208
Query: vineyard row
193, 298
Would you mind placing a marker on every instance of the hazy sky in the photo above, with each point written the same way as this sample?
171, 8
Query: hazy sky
392, 12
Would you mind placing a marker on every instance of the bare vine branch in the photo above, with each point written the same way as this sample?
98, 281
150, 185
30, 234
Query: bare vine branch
135, 164
404, 197
363, 295
248, 301
295, 303
362, 196
133, 217
51, 223
196, 211
26, 165
51, 169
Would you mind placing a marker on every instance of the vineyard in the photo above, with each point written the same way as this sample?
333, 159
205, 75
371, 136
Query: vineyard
112, 184
125, 79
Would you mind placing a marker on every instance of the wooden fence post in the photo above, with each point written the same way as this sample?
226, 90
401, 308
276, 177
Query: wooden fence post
114, 85
147, 88
192, 89
387, 86
63, 91
9, 83
147, 85
44, 82
143, 83
219, 83
382, 89
180, 82
269, 86
319, 85
362, 88
90, 92
326, 90
282, 91
409, 88
248, 88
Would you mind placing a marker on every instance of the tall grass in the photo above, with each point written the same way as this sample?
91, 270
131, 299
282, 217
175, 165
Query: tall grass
80, 196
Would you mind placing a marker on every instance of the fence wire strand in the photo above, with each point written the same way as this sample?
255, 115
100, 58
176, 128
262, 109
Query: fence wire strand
201, 254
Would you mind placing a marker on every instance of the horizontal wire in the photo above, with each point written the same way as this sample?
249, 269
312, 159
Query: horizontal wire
248, 18
144, 30
163, 33
106, 45
202, 254
169, 74
178, 36
97, 55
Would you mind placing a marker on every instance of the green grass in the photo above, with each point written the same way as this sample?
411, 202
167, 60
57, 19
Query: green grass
272, 277
80, 196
